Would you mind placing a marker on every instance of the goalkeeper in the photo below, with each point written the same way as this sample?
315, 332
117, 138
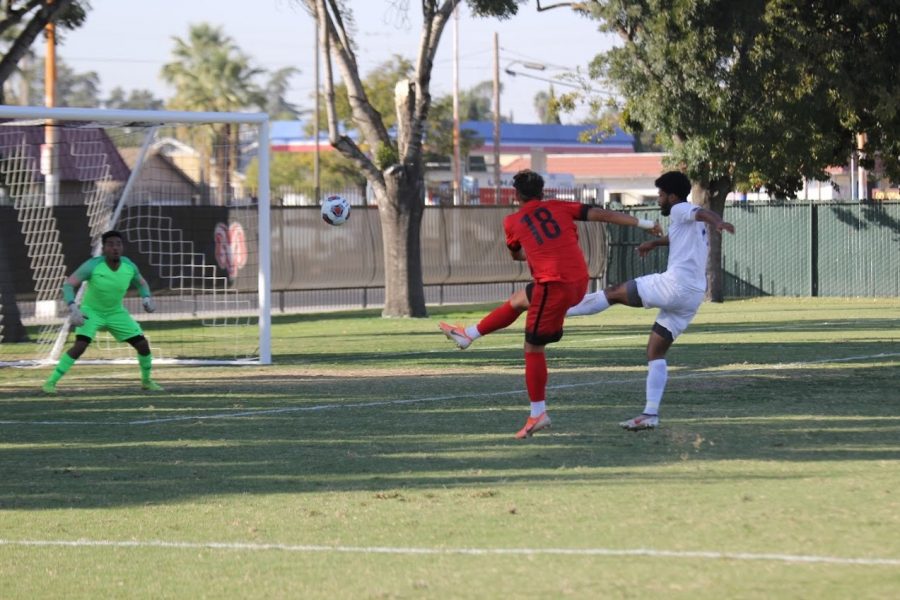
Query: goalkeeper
109, 275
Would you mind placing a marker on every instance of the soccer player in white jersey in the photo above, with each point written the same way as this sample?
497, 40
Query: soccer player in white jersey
677, 292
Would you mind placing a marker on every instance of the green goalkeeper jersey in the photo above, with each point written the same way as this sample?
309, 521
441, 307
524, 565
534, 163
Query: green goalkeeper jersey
107, 288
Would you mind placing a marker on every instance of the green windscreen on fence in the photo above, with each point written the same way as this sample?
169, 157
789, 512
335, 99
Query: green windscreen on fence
859, 249
769, 255
790, 249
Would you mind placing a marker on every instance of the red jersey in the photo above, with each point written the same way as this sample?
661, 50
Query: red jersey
546, 230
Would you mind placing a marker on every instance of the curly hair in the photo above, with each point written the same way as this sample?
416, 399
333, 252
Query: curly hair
529, 184
674, 182
111, 234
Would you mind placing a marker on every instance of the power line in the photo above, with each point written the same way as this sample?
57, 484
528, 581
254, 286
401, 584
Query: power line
520, 56
584, 88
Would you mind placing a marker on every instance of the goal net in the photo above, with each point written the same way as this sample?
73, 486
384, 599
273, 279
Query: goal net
175, 185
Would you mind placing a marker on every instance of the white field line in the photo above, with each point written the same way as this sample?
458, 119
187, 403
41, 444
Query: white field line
318, 407
591, 341
253, 413
576, 343
640, 552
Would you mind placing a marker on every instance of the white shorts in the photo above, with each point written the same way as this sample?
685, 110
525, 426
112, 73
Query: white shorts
677, 304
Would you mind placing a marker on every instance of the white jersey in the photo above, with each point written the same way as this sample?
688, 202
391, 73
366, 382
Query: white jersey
688, 247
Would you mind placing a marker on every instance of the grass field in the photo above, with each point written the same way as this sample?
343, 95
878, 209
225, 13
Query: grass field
374, 460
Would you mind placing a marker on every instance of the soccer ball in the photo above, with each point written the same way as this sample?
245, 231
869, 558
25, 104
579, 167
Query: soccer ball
335, 210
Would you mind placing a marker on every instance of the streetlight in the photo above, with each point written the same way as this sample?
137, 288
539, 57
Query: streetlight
508, 70
575, 84
538, 158
527, 64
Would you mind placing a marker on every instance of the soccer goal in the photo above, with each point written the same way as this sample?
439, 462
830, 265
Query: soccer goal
175, 184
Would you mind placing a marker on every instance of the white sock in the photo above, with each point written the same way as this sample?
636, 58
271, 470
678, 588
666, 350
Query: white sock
538, 407
472, 332
656, 384
589, 305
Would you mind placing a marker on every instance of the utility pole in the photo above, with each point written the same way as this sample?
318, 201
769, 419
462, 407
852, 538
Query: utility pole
316, 176
50, 148
457, 167
496, 118
49, 151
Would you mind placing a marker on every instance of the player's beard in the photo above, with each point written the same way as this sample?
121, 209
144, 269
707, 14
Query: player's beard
666, 207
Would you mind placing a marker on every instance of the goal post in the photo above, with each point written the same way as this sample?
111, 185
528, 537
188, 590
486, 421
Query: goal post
174, 184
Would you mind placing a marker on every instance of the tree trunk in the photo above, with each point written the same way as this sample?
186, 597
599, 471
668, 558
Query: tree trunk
711, 195
401, 226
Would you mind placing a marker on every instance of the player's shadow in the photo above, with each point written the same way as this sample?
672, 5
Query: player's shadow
293, 434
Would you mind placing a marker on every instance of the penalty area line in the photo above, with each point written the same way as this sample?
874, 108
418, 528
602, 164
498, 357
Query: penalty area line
426, 399
289, 409
615, 552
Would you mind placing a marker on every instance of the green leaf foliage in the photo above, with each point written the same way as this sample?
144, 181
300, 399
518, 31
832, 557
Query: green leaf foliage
73, 88
764, 92
135, 99
547, 106
386, 155
294, 170
210, 73
277, 105
474, 105
379, 85
495, 8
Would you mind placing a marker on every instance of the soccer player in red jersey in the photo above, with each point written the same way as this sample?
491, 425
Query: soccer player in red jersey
543, 233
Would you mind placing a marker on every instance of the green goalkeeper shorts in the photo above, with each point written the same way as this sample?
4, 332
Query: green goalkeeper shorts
119, 323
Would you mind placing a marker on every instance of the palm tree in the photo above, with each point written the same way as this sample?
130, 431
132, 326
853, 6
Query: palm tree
211, 73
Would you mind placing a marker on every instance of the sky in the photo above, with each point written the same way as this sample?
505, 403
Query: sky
126, 42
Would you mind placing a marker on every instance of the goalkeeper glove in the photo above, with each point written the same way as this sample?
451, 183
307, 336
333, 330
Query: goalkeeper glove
76, 317
149, 306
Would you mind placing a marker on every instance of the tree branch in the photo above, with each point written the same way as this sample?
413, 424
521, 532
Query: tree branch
552, 6
13, 16
342, 143
24, 41
341, 31
433, 25
364, 114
